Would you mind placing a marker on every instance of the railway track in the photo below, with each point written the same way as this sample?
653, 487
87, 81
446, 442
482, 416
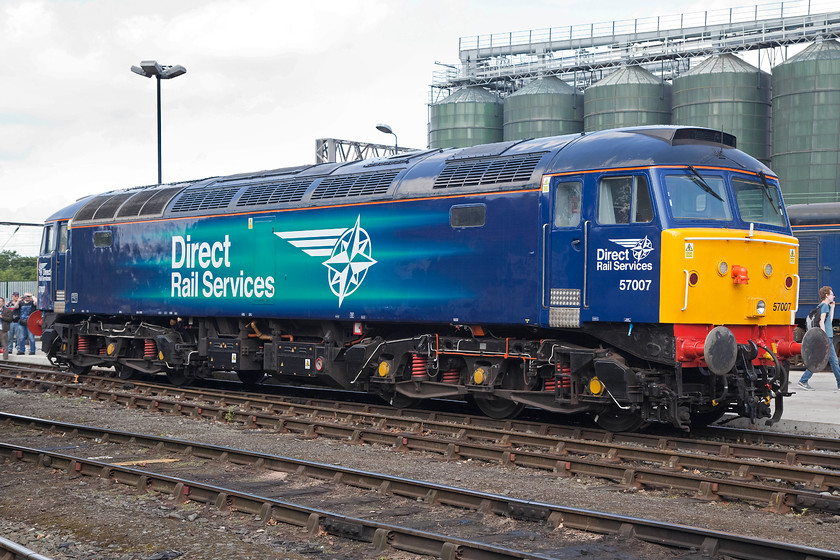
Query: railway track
248, 482
804, 474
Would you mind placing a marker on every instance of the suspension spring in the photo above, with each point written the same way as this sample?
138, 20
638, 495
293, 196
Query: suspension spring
82, 344
452, 376
562, 380
418, 367
149, 349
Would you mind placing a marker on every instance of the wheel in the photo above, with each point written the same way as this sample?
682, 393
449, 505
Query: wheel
494, 407
77, 369
617, 420
124, 372
250, 378
178, 377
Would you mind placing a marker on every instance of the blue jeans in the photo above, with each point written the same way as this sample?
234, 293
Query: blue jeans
832, 359
24, 335
14, 334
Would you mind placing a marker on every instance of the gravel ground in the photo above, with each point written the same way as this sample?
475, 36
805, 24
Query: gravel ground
105, 525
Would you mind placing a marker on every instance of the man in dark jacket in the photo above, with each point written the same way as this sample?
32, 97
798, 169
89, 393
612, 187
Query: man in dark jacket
5, 324
27, 306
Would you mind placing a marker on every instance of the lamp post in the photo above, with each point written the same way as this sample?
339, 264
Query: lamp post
147, 69
382, 127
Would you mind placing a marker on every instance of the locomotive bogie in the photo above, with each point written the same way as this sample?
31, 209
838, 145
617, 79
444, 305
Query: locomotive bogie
616, 273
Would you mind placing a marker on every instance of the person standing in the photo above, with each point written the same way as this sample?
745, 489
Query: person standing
5, 325
26, 306
14, 327
826, 323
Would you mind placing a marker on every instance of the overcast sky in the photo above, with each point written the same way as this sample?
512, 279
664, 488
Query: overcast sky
264, 79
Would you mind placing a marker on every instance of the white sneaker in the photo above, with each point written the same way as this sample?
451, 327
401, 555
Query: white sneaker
805, 386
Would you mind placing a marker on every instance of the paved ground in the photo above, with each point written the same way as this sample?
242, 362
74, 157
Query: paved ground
814, 412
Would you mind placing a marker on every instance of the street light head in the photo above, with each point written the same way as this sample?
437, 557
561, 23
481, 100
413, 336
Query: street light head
173, 72
381, 127
151, 67
140, 71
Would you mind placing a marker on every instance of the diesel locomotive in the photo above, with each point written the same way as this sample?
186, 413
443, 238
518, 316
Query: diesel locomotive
641, 275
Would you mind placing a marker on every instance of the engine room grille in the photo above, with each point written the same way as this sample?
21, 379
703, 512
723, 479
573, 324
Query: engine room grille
488, 171
364, 184
208, 199
274, 193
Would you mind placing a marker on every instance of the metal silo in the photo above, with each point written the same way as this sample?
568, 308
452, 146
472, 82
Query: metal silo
545, 107
806, 124
470, 116
631, 96
726, 93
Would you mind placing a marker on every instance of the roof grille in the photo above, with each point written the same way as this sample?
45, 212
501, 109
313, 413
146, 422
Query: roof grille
110, 207
149, 202
364, 184
488, 171
274, 193
87, 211
204, 199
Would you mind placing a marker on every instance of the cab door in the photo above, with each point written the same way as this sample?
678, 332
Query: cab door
623, 261
564, 250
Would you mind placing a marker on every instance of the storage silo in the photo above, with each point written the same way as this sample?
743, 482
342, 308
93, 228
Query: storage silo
631, 96
547, 106
468, 117
806, 124
725, 93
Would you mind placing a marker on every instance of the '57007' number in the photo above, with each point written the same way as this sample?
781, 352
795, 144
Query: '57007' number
634, 285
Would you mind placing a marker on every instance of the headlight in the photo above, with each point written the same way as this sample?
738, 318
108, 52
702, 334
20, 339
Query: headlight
760, 307
768, 270
722, 268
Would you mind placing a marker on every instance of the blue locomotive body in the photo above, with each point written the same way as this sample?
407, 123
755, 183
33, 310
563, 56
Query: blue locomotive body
538, 272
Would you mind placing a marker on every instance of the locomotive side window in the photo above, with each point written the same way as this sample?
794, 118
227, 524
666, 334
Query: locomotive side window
468, 215
62, 237
698, 198
624, 200
102, 238
47, 240
567, 204
758, 202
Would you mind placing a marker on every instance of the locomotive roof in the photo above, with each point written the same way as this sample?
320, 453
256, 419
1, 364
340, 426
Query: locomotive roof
818, 213
500, 166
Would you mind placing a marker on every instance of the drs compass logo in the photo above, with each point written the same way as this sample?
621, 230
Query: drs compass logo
348, 252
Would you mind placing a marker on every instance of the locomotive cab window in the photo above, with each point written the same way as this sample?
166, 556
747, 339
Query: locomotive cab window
47, 244
696, 197
758, 202
624, 200
567, 198
102, 238
471, 215
62, 237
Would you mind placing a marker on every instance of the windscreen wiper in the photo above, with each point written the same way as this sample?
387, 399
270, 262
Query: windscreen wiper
702, 182
767, 186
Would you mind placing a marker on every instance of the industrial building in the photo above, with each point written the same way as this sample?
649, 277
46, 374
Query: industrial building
686, 69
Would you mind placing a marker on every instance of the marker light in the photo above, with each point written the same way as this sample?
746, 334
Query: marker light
693, 278
768, 270
722, 268
789, 282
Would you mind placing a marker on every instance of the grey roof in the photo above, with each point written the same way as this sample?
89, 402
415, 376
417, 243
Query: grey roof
629, 75
546, 85
472, 94
723, 63
823, 50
